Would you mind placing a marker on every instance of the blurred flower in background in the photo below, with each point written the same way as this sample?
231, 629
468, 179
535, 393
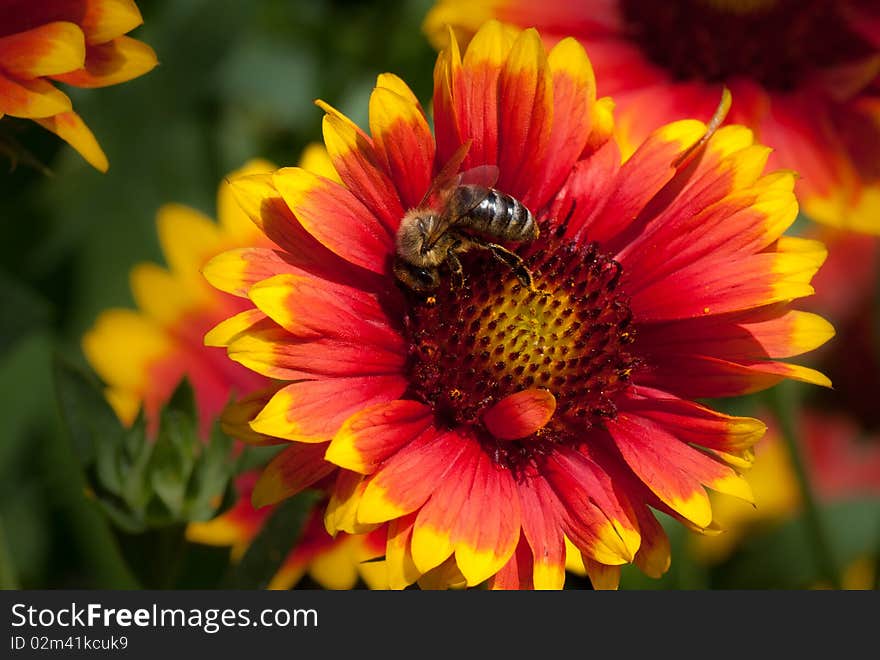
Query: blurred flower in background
143, 354
81, 43
805, 76
657, 280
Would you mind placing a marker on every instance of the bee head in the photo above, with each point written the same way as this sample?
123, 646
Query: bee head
412, 237
417, 278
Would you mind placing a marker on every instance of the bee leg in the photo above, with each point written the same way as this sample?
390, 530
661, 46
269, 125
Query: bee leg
512, 260
455, 269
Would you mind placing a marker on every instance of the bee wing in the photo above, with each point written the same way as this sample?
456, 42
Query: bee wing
482, 175
450, 215
447, 177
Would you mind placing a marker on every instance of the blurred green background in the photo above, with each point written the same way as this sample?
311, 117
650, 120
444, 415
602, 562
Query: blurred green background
236, 80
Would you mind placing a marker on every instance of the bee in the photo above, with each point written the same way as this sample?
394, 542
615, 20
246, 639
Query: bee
461, 212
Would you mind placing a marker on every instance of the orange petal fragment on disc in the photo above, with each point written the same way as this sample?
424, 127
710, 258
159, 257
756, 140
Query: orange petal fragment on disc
520, 414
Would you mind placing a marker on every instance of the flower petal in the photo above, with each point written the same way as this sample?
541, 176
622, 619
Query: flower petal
720, 285
360, 167
487, 528
293, 470
673, 470
235, 420
273, 352
694, 423
122, 344
409, 477
654, 555
524, 135
313, 410
743, 223
778, 333
521, 414
345, 499
402, 571
236, 271
225, 332
515, 575
372, 435
71, 128
340, 222
111, 63
597, 520
476, 111
309, 306
107, 19
402, 138
602, 577
542, 523
262, 203
574, 97
641, 177
31, 98
46, 50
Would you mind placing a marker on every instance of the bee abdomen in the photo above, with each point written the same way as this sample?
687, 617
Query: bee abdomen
504, 217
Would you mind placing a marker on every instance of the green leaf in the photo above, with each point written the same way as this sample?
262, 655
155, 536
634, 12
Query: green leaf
89, 419
212, 478
175, 450
270, 547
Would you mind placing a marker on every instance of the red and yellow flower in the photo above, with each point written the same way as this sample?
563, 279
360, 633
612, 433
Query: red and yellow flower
143, 354
805, 76
81, 43
486, 425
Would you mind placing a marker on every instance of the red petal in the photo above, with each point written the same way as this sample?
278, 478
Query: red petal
257, 197
542, 523
274, 352
368, 438
313, 410
526, 88
360, 167
597, 517
673, 470
293, 470
520, 414
335, 217
410, 476
487, 528
311, 307
403, 140
574, 94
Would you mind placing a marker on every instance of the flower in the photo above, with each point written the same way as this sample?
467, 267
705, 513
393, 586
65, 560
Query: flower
82, 43
804, 76
487, 422
143, 354
841, 461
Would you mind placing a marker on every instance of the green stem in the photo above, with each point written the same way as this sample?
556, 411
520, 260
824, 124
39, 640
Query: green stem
784, 400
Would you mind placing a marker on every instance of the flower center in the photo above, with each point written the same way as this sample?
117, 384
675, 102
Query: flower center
473, 346
776, 42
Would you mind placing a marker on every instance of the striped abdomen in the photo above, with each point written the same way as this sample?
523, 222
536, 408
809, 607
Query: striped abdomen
497, 216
